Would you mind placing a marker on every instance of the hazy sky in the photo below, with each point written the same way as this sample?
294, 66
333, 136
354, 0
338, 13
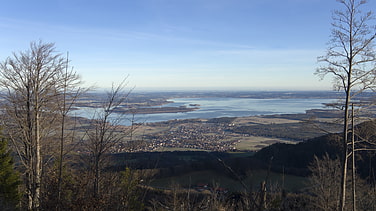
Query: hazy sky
227, 44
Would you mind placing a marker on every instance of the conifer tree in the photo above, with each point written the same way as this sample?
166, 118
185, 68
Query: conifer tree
9, 179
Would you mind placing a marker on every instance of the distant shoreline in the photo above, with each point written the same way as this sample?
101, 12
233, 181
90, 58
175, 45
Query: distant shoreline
159, 110
164, 106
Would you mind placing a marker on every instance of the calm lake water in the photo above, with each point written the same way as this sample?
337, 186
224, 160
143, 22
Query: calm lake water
232, 107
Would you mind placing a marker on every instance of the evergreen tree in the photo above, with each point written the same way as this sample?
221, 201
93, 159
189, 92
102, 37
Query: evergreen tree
9, 179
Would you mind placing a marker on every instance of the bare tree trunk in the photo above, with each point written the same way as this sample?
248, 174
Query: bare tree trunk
28, 181
353, 158
61, 155
69, 93
38, 158
62, 135
345, 152
29, 149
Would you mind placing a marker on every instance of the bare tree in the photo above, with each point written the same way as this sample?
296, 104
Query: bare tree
105, 131
31, 83
324, 182
68, 93
351, 59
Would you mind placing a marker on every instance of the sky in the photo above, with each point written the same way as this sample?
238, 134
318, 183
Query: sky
179, 44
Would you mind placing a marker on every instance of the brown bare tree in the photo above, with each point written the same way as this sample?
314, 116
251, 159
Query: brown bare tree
105, 131
32, 83
324, 182
351, 59
68, 93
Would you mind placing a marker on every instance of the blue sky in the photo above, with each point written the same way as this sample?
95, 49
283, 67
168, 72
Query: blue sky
195, 44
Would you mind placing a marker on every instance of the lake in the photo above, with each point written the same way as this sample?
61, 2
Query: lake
214, 107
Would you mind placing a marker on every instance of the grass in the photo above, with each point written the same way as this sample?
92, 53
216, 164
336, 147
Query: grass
252, 120
255, 143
